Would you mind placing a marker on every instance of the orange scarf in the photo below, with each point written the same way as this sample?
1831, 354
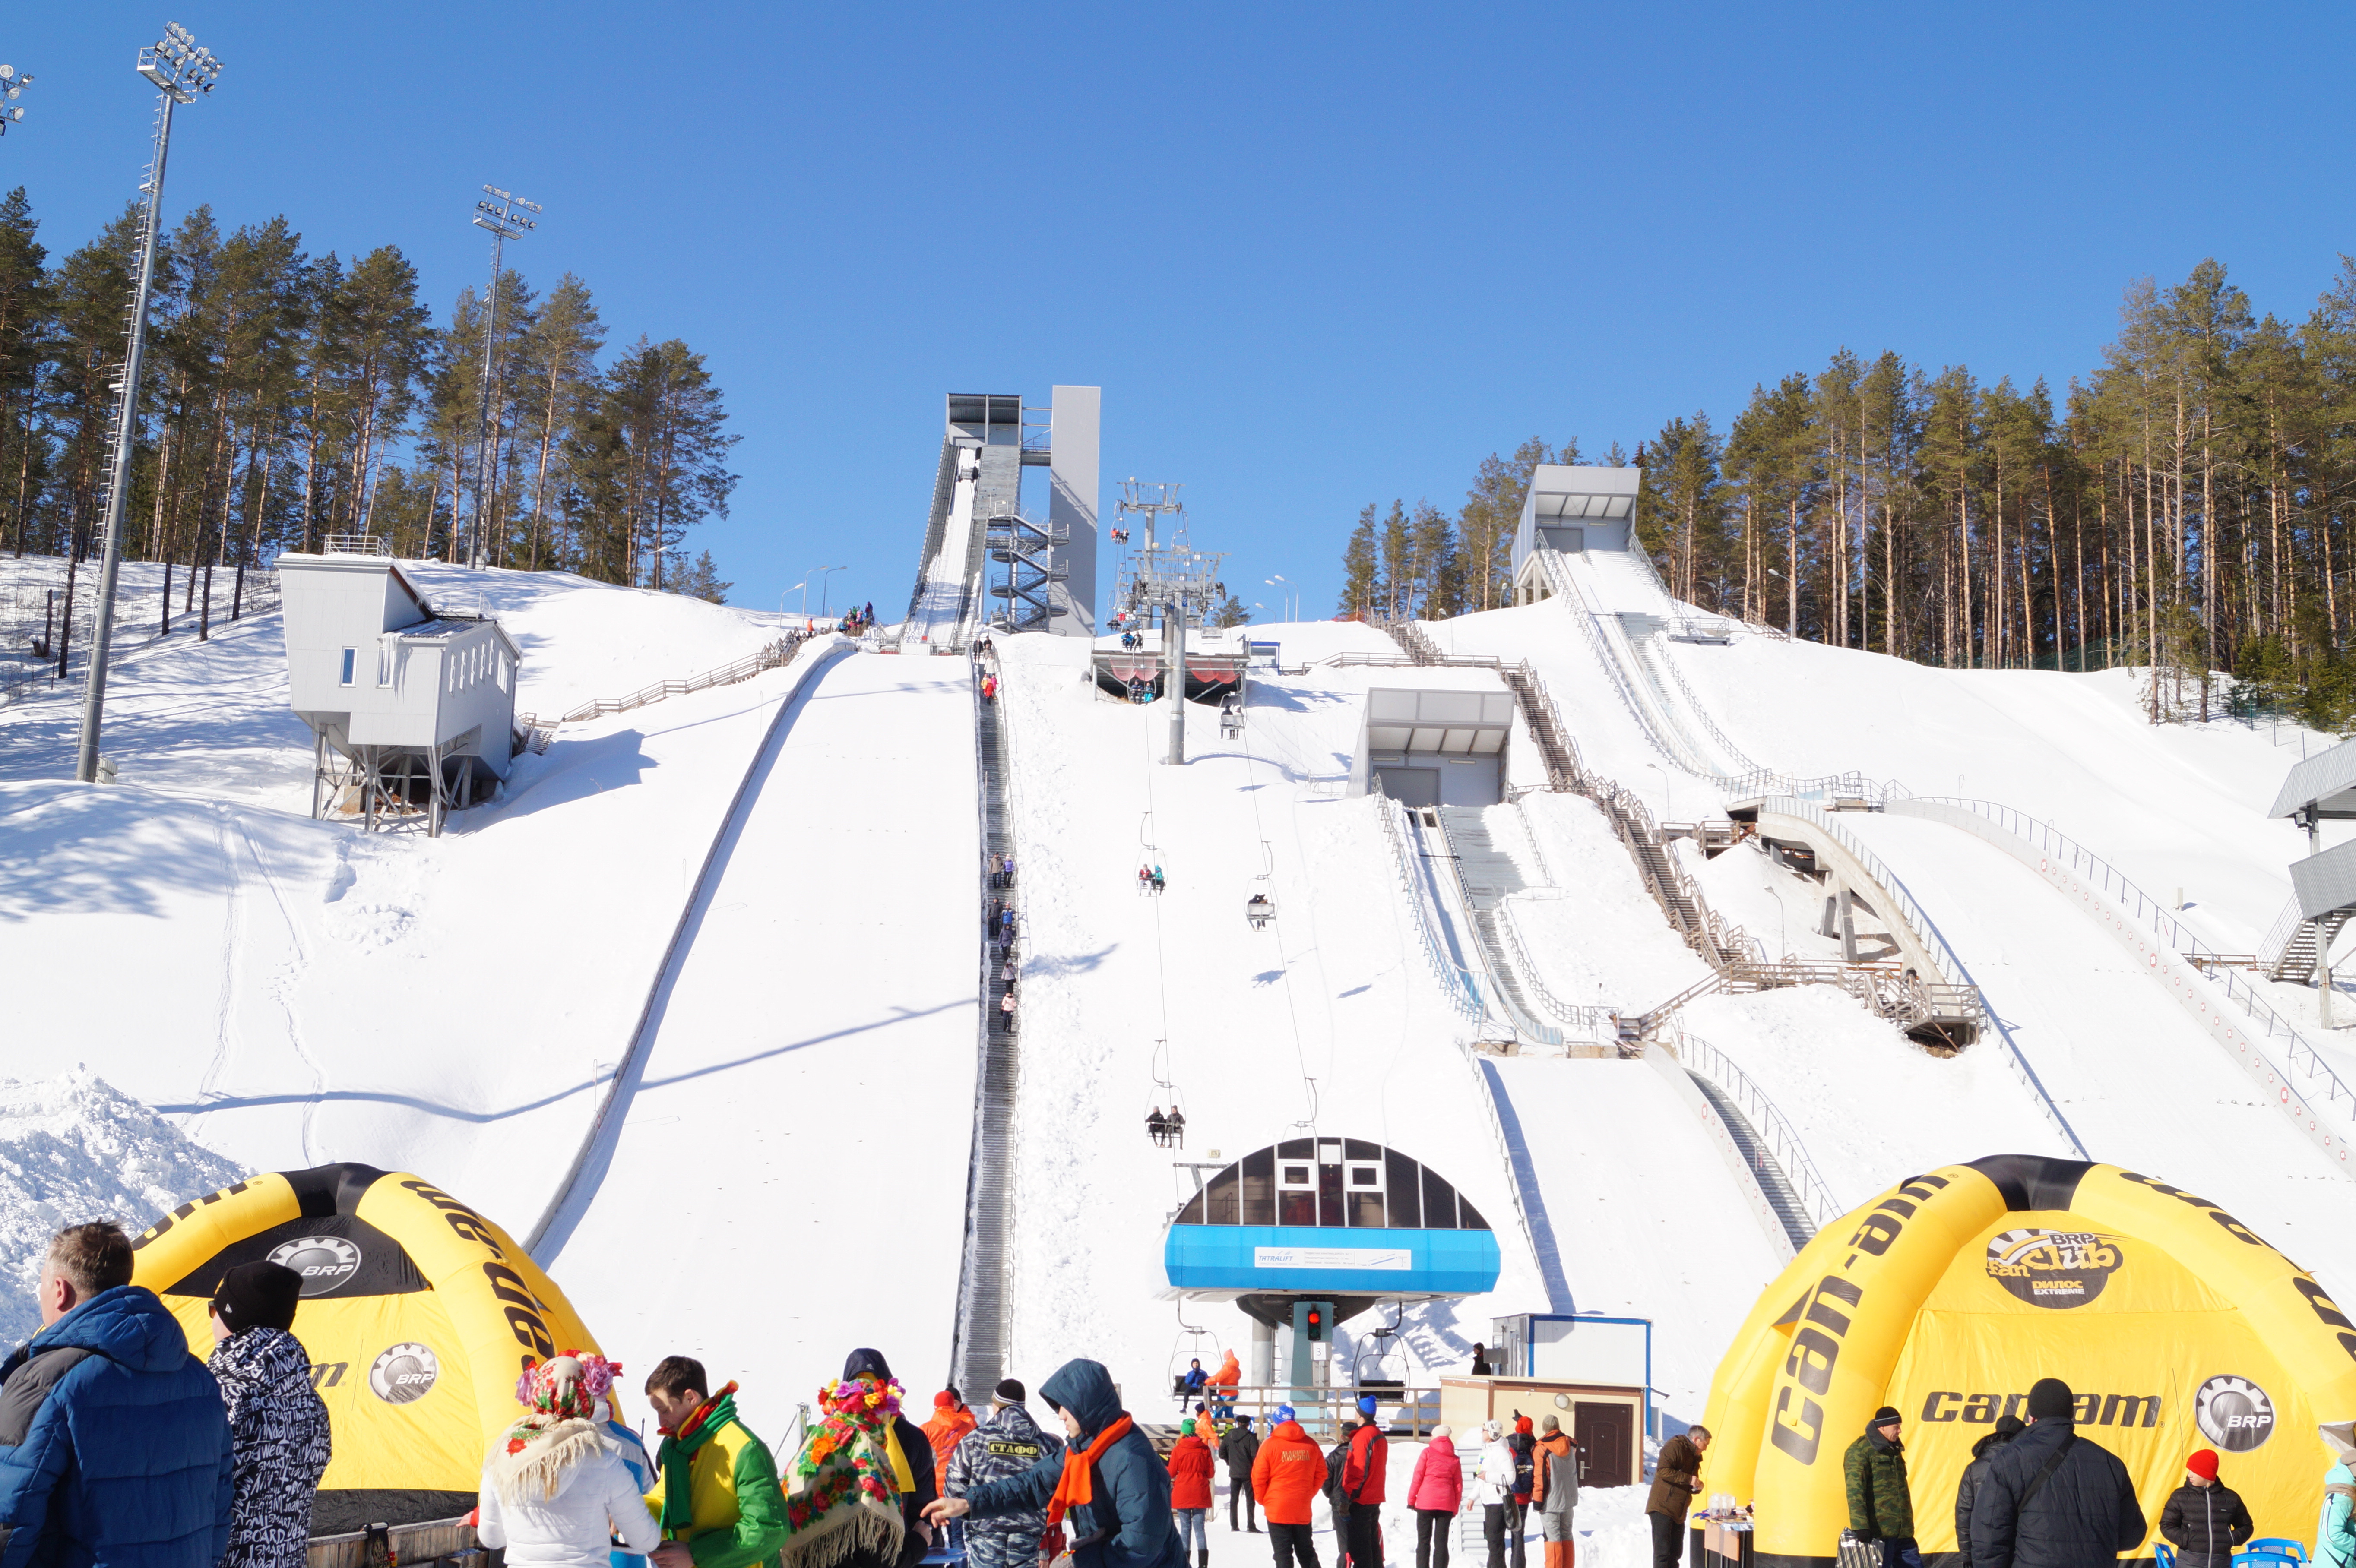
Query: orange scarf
1075, 1488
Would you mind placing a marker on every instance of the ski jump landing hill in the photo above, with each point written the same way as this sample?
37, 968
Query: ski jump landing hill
697, 999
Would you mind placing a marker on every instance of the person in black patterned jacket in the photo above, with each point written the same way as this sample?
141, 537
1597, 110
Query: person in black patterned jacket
276, 1420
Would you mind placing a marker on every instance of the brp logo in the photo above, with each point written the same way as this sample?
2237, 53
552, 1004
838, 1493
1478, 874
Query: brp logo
2234, 1412
323, 1261
403, 1373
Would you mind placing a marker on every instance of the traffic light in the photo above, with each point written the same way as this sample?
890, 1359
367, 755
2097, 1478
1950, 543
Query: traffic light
1316, 1320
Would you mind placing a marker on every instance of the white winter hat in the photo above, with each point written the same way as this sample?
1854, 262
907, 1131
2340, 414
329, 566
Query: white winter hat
1495, 1429
2340, 1436
1442, 1430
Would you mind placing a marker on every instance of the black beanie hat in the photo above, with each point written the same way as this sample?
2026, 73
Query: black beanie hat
2010, 1426
1884, 1416
1008, 1390
258, 1295
2050, 1400
864, 1363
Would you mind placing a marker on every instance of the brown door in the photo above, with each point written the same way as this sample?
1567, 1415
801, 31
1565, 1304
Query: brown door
1606, 1435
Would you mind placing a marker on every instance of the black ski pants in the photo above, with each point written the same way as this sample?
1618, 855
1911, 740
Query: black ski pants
1294, 1543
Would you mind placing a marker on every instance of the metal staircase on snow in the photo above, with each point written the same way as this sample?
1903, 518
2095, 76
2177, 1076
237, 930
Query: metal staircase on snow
978, 1360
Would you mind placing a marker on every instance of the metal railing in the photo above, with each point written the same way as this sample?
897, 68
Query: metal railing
1463, 990
1905, 906
1781, 1139
357, 544
2154, 916
775, 656
2280, 936
1521, 1023
1598, 1023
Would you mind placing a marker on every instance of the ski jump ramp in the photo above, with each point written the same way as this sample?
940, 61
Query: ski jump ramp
784, 1179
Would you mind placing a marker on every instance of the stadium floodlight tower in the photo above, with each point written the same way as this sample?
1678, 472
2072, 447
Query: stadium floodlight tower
181, 71
506, 223
12, 84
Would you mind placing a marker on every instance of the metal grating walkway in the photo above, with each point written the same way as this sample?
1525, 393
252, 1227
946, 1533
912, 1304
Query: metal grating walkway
1774, 1185
978, 1361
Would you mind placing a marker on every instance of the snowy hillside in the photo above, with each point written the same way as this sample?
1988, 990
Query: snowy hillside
72, 1148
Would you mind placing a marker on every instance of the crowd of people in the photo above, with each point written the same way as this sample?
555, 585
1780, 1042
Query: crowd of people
119, 1446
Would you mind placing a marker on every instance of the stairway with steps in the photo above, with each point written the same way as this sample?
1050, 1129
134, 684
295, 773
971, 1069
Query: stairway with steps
978, 1360
1790, 1211
2298, 959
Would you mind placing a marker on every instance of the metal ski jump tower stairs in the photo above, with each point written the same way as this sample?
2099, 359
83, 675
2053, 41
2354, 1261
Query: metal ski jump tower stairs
977, 517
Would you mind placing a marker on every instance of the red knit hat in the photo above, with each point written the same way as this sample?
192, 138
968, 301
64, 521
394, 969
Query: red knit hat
2203, 1463
1522, 1425
945, 1400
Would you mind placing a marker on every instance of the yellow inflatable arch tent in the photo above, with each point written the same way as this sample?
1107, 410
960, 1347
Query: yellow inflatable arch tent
2174, 1325
417, 1312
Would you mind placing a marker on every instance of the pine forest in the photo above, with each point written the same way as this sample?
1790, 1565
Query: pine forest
288, 398
2185, 508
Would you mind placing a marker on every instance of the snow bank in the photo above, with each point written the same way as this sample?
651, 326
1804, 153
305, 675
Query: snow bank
73, 1147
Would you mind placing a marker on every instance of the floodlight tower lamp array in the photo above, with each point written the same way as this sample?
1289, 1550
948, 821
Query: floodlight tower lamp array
12, 84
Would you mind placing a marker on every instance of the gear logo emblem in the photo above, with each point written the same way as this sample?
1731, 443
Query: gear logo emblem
2053, 1268
2234, 1412
323, 1261
403, 1373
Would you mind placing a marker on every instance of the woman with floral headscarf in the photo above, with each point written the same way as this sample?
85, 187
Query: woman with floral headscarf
555, 1488
853, 1492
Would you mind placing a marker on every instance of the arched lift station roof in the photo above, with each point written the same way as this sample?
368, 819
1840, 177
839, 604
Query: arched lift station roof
1329, 1215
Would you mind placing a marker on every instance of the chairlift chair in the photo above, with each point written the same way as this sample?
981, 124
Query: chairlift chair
1259, 910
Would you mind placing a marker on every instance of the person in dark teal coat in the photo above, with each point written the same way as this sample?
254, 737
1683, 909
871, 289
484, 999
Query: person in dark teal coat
115, 1443
1127, 1522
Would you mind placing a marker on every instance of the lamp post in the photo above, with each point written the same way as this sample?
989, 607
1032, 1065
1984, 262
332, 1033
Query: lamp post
505, 223
1667, 806
804, 586
822, 573
1782, 941
1272, 581
180, 71
12, 84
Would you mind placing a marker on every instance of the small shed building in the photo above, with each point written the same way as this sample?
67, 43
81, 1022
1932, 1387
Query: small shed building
1571, 509
412, 708
1435, 737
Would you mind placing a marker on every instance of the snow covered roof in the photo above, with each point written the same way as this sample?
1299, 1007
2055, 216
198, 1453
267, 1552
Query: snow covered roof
2326, 781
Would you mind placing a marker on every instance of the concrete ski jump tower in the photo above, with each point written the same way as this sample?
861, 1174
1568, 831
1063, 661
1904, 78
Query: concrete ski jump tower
1048, 582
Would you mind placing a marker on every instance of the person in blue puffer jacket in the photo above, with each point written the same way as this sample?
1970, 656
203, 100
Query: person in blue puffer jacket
114, 1444
1115, 1487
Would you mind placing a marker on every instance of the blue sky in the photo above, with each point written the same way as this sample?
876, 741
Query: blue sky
1316, 257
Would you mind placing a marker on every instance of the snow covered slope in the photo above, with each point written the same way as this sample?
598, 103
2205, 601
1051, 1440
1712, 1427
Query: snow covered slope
294, 992
74, 1148
789, 1181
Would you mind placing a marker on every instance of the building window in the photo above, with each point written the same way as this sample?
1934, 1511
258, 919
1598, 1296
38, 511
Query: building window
351, 658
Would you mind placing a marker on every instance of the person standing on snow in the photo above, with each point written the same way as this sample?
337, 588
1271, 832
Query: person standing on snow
1880, 1505
950, 1424
1556, 1495
114, 1444
1435, 1493
1287, 1476
1108, 1480
1676, 1477
2053, 1498
1190, 1490
1364, 1470
1493, 1488
716, 1483
553, 1491
1240, 1448
1005, 1445
2204, 1519
277, 1423
2006, 1429
2335, 1529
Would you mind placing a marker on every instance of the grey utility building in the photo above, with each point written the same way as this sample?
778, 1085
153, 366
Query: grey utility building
1571, 509
412, 709
1434, 737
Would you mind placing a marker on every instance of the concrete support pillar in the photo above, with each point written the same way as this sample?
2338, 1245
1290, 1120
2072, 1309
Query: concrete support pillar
1847, 926
1826, 927
1262, 1370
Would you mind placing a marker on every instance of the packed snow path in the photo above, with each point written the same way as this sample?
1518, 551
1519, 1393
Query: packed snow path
789, 1180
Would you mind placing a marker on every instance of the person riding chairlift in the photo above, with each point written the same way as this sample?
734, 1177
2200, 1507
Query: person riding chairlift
1156, 1126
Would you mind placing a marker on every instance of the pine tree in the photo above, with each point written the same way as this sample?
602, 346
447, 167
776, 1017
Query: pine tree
702, 581
1360, 569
